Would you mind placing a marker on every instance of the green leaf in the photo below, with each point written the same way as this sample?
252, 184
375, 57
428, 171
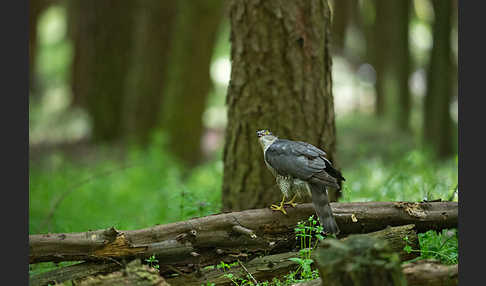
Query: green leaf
408, 248
296, 259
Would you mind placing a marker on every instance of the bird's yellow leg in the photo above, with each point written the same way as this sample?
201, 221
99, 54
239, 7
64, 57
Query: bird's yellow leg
279, 207
291, 202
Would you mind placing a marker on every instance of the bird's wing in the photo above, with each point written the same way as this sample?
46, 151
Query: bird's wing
329, 169
309, 148
299, 160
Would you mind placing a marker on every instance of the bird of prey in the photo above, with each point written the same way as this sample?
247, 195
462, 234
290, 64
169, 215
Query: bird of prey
301, 169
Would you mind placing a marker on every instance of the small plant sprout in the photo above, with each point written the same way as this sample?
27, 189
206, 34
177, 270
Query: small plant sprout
153, 262
309, 234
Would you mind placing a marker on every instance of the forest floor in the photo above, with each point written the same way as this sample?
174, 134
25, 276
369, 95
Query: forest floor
88, 193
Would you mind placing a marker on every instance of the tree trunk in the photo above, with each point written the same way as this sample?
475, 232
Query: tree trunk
359, 260
207, 240
400, 65
437, 118
379, 50
144, 90
189, 81
280, 80
36, 7
340, 20
387, 50
101, 32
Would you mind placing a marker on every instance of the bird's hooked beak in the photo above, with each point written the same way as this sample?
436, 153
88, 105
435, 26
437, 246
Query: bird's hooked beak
263, 132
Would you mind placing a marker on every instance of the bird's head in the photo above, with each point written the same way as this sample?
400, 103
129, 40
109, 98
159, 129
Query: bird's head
265, 137
263, 132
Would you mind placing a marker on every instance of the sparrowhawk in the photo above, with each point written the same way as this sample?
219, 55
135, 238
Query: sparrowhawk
301, 169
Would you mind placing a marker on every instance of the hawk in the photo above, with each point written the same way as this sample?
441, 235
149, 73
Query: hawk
301, 169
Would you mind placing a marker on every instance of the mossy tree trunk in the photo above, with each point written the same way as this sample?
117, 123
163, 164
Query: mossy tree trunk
437, 119
101, 32
280, 80
144, 96
189, 80
359, 260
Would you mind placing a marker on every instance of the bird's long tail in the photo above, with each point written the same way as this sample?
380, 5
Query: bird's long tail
321, 205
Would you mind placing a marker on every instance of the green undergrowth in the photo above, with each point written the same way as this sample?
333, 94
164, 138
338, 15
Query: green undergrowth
442, 246
380, 163
413, 176
147, 187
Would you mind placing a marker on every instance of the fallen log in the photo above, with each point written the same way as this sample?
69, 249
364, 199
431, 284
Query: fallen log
268, 267
261, 268
418, 273
73, 272
395, 238
315, 282
206, 240
431, 273
134, 274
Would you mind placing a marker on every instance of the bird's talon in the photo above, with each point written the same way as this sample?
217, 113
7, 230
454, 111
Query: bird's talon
278, 208
291, 204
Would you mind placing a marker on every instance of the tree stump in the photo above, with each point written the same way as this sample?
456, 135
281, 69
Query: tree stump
359, 260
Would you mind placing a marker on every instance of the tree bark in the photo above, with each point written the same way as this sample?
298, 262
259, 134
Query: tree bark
418, 273
134, 274
101, 33
189, 80
73, 272
437, 118
431, 273
280, 80
395, 237
359, 260
261, 268
148, 73
207, 240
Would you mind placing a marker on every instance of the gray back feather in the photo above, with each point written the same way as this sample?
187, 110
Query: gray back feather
300, 160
